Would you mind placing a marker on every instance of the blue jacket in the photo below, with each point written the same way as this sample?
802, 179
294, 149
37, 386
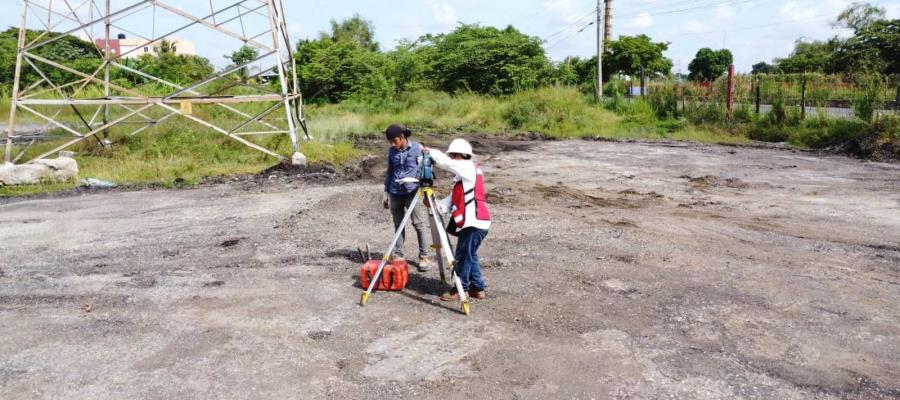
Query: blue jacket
402, 164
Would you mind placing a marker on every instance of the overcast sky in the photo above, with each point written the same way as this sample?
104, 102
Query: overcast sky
754, 30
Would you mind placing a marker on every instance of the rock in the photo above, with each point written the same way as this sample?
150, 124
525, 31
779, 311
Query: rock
298, 159
24, 174
64, 168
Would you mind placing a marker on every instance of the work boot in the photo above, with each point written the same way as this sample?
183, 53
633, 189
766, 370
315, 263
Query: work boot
423, 264
477, 294
450, 296
398, 258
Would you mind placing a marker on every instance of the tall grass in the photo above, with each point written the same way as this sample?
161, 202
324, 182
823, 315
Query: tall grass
558, 112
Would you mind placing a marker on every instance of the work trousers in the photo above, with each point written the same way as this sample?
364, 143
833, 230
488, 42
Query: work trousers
399, 205
468, 268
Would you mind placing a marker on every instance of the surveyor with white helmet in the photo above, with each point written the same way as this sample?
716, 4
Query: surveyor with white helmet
470, 217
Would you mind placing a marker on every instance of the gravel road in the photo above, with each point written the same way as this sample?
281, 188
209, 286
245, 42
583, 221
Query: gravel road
615, 271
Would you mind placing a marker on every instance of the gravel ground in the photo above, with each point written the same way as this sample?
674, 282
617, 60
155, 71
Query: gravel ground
615, 271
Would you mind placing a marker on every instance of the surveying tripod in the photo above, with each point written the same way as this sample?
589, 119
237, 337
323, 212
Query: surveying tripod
439, 237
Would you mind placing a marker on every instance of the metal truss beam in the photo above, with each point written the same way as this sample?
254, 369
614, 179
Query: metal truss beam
130, 104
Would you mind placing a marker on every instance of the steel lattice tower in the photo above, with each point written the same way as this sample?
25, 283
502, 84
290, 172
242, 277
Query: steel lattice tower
254, 105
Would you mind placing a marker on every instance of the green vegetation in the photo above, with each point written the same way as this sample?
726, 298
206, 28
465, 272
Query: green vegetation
558, 112
479, 79
178, 154
709, 64
874, 46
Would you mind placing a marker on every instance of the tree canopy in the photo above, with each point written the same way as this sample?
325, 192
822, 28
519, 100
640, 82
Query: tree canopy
68, 50
709, 64
763, 67
631, 53
486, 60
873, 47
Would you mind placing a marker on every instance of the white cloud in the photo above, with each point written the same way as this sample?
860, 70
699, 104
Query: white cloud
563, 11
725, 11
642, 20
694, 26
443, 14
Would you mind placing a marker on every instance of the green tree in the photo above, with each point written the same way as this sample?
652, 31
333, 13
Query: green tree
355, 29
242, 56
344, 63
762, 67
577, 71
408, 66
815, 56
68, 50
485, 60
175, 68
858, 16
709, 64
875, 48
631, 53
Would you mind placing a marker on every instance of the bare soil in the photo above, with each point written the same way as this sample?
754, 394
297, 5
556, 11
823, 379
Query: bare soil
615, 271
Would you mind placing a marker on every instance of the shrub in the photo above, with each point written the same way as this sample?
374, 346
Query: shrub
778, 115
663, 101
709, 112
866, 101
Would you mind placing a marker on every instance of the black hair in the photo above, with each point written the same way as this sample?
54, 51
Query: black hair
396, 131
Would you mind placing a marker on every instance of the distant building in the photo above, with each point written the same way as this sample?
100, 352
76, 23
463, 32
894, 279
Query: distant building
135, 48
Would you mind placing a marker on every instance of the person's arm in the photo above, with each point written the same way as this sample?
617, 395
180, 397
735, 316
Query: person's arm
388, 174
387, 181
462, 168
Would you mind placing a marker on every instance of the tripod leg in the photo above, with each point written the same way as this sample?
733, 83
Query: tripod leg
436, 237
447, 252
387, 254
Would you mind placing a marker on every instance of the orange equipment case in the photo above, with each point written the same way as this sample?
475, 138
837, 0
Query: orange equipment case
393, 278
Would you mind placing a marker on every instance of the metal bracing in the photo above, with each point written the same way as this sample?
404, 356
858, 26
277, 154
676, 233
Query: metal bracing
250, 107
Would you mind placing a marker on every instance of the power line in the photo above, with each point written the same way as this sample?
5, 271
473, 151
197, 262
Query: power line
565, 38
753, 27
574, 23
681, 10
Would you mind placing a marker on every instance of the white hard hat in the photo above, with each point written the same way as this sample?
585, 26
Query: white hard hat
460, 146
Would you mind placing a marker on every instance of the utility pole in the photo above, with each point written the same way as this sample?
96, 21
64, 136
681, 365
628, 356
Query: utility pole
607, 22
599, 90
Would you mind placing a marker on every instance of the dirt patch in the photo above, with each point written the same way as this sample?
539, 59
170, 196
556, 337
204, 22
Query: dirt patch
599, 284
230, 243
709, 181
626, 199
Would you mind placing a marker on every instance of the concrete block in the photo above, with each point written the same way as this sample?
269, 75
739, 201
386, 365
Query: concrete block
62, 169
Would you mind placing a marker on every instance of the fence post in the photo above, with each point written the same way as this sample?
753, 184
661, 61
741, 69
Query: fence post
803, 96
675, 98
642, 81
758, 94
729, 96
897, 100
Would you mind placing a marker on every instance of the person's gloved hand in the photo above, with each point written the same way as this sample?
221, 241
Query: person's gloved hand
384, 200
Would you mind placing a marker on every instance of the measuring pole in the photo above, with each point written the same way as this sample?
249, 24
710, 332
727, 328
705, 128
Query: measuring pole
729, 95
599, 91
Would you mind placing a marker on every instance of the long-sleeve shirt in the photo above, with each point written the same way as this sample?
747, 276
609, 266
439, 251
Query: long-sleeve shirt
402, 164
464, 170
